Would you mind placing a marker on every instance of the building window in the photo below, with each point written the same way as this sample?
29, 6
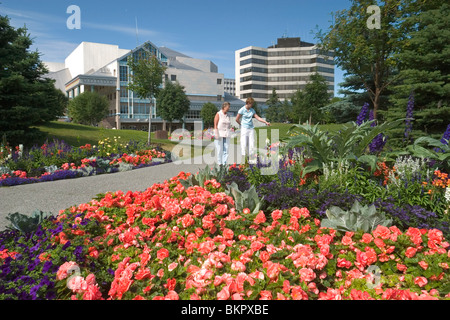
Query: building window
253, 78
255, 95
254, 52
124, 109
173, 77
254, 86
193, 115
123, 92
253, 69
253, 60
219, 81
141, 108
123, 73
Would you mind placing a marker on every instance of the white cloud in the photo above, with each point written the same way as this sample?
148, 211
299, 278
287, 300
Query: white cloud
55, 50
122, 29
33, 16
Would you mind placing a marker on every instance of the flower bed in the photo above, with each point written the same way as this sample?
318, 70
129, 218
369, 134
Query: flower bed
57, 160
410, 192
170, 242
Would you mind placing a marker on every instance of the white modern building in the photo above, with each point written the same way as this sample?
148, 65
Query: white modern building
103, 68
285, 67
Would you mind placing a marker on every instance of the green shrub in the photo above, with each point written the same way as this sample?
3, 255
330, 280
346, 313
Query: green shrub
358, 218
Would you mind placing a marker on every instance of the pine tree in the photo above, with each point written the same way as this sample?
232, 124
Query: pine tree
274, 112
27, 97
425, 57
307, 104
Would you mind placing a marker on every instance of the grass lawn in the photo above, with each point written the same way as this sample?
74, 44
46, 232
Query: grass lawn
79, 135
283, 129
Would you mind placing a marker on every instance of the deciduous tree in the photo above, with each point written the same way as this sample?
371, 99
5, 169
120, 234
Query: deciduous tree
89, 108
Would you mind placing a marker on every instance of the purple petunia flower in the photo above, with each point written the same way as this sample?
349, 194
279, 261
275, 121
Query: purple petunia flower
78, 252
66, 245
47, 266
34, 290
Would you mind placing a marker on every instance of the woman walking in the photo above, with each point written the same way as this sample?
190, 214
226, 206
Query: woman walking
222, 126
247, 113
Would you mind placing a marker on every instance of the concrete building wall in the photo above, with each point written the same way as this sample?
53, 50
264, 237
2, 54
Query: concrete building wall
55, 66
75, 61
199, 83
89, 56
203, 65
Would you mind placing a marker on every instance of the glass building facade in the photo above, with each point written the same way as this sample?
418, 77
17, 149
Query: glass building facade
131, 106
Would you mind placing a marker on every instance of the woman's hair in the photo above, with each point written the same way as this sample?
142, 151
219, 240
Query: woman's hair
250, 101
225, 104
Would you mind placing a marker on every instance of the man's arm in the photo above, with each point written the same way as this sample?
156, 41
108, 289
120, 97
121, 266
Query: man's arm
261, 119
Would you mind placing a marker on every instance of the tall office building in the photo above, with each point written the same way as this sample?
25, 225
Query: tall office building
285, 67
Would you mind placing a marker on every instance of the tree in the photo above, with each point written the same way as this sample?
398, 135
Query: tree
363, 52
146, 78
307, 104
342, 110
27, 97
89, 108
424, 60
208, 113
299, 109
274, 110
173, 103
354, 91
287, 108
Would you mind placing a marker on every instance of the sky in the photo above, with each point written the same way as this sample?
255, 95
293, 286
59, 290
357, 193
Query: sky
203, 29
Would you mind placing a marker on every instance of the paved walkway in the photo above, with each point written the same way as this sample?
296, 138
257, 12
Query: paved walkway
62, 194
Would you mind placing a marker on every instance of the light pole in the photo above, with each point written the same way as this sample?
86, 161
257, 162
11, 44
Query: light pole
150, 122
